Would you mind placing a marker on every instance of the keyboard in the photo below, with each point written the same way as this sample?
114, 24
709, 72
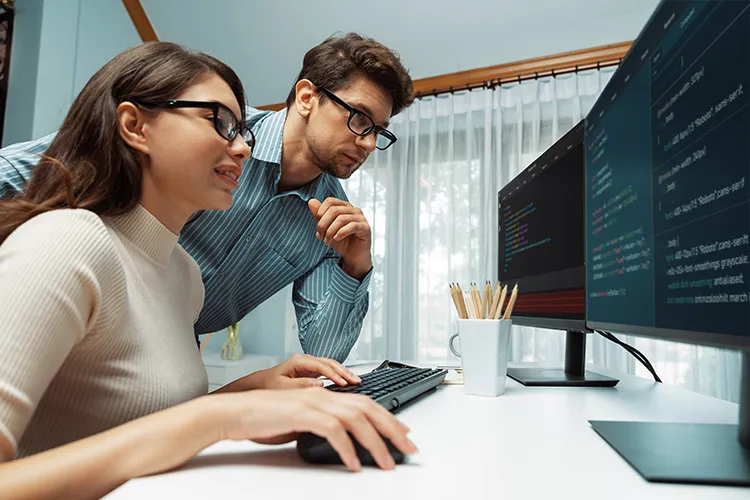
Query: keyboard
392, 385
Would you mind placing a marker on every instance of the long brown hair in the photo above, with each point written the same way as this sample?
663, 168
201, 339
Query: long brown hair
88, 165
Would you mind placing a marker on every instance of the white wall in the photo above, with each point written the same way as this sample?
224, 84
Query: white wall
49, 66
266, 40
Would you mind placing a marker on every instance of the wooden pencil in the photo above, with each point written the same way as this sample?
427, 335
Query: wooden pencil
511, 303
495, 301
486, 299
476, 299
500, 303
472, 310
461, 302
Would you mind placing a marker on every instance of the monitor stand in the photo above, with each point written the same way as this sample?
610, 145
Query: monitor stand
686, 453
573, 375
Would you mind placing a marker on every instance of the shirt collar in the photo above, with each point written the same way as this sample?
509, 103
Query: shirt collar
269, 134
268, 137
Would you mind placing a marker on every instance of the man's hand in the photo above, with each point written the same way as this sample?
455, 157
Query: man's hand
343, 226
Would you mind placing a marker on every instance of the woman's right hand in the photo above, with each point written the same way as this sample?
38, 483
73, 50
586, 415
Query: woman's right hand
264, 415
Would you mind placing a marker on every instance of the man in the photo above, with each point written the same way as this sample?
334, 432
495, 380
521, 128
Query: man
291, 221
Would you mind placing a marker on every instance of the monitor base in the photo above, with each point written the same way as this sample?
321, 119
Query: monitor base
573, 374
682, 453
557, 377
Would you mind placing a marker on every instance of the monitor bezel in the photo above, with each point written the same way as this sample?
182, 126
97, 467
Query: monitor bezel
695, 337
564, 324
578, 325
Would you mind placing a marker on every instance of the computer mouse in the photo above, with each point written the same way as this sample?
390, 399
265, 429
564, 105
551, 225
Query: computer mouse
317, 450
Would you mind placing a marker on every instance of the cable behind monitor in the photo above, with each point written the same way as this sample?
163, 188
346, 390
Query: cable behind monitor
632, 350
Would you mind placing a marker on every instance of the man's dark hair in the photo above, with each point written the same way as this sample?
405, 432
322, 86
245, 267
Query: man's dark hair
337, 61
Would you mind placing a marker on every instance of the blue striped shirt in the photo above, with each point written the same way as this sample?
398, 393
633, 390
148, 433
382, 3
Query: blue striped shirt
265, 241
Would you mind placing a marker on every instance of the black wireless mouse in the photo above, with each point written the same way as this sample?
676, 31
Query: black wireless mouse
316, 450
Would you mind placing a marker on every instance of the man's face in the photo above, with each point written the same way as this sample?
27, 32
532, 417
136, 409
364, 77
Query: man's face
335, 148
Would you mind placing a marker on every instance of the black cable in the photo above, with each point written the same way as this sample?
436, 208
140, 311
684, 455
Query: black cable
635, 352
632, 350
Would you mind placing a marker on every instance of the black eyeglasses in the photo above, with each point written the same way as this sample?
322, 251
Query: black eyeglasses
225, 122
361, 124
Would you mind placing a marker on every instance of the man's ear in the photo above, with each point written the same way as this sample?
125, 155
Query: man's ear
131, 121
306, 94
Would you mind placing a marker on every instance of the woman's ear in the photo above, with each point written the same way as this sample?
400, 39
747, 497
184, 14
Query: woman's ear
305, 92
131, 121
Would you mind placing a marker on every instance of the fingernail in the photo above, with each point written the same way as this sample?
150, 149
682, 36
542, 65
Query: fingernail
326, 241
413, 446
317, 235
356, 377
388, 461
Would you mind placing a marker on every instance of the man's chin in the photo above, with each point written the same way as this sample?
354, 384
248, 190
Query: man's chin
340, 172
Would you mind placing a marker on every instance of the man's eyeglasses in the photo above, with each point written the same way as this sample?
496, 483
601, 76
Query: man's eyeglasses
361, 124
225, 122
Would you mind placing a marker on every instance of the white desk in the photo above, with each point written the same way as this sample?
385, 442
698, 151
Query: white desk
530, 443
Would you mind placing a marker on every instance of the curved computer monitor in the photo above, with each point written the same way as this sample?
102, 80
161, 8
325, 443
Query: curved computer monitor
668, 216
541, 248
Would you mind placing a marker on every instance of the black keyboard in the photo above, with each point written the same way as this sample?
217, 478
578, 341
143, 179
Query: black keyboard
392, 384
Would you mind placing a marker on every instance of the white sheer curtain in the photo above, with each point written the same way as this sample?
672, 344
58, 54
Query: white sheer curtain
431, 200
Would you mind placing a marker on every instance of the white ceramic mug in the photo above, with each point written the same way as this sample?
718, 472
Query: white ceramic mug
484, 353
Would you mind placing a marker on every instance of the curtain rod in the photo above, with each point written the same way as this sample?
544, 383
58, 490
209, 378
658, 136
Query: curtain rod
491, 84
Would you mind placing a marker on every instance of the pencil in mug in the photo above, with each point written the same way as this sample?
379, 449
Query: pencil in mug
500, 303
464, 314
477, 299
454, 298
512, 302
495, 301
472, 312
486, 299
458, 300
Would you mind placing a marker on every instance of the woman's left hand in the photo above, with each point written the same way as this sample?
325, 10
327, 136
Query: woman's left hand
299, 371
303, 370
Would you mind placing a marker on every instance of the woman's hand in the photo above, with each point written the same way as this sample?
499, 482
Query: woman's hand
301, 370
265, 416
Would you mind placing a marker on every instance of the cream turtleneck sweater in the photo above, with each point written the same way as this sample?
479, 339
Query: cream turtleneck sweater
96, 326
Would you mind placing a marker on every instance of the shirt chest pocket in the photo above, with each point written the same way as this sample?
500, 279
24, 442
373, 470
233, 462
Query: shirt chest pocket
295, 244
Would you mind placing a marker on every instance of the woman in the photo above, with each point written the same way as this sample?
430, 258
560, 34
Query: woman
98, 300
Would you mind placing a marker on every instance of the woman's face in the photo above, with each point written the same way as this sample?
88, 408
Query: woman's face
188, 165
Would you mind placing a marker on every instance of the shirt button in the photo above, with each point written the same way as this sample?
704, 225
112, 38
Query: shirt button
247, 239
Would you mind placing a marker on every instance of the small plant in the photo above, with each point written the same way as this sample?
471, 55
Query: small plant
232, 348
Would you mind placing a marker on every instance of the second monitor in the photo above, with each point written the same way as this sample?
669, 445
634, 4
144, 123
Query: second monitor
541, 247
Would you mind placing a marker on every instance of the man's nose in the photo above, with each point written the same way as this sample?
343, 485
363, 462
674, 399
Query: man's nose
367, 142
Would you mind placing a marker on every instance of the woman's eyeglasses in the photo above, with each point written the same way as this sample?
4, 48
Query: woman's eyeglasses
361, 124
225, 122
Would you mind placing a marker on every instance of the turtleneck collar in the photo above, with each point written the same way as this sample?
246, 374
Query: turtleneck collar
147, 233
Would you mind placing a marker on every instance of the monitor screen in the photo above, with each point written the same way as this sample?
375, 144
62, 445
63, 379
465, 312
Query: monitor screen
668, 181
540, 219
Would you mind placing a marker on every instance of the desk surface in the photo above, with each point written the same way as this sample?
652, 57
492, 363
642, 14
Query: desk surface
528, 443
